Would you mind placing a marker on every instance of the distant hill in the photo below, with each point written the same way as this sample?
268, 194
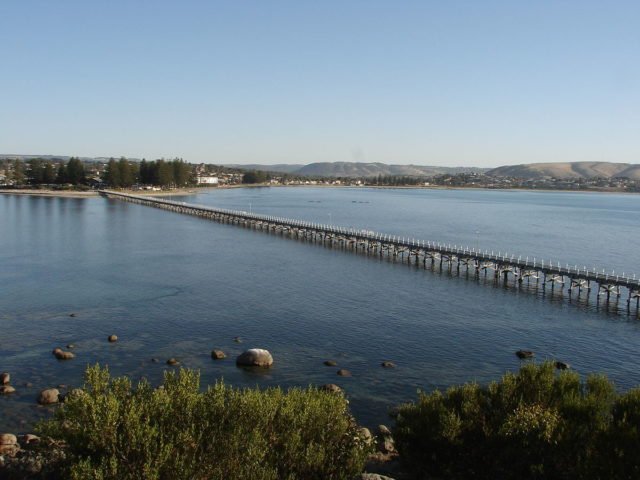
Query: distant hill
281, 167
568, 170
355, 169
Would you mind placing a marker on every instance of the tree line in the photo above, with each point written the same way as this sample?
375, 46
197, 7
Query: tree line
118, 173
39, 172
123, 174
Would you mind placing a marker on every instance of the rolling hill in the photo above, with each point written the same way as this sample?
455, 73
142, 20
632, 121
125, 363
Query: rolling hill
568, 170
356, 169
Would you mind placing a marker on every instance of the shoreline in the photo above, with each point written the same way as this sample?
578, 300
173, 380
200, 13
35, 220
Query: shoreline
197, 190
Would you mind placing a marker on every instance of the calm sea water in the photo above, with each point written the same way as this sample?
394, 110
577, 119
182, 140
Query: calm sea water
176, 286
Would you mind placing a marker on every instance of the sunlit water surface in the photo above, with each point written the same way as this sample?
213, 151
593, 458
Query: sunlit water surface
171, 285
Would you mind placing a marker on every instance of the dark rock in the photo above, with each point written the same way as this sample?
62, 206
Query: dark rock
113, 338
28, 384
6, 389
28, 440
344, 373
524, 354
155, 360
388, 364
5, 378
372, 476
218, 354
237, 340
331, 388
255, 357
173, 362
48, 396
330, 363
73, 315
562, 365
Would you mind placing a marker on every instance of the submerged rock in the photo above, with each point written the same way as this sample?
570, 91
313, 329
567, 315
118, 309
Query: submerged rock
49, 396
388, 364
344, 373
70, 346
524, 354
255, 357
330, 363
218, 354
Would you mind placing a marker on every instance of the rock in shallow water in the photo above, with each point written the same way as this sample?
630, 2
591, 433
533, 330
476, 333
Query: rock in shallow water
112, 338
218, 354
60, 355
524, 354
344, 373
331, 388
255, 357
330, 363
6, 389
48, 396
173, 362
5, 378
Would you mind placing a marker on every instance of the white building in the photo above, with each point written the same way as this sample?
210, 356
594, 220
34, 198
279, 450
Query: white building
207, 180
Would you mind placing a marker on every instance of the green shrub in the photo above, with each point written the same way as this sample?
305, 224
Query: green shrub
537, 423
114, 431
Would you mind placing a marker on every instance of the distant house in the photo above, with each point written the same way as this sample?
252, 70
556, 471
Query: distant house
207, 180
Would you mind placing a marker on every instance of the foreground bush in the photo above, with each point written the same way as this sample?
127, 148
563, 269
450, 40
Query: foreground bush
534, 424
115, 432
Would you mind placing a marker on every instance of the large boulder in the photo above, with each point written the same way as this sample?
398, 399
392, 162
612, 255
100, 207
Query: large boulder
385, 440
255, 357
49, 396
5, 378
61, 355
8, 444
6, 389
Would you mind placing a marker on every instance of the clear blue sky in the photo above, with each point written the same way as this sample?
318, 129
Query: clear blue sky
446, 82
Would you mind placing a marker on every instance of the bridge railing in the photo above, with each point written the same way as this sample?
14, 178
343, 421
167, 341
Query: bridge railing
411, 243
